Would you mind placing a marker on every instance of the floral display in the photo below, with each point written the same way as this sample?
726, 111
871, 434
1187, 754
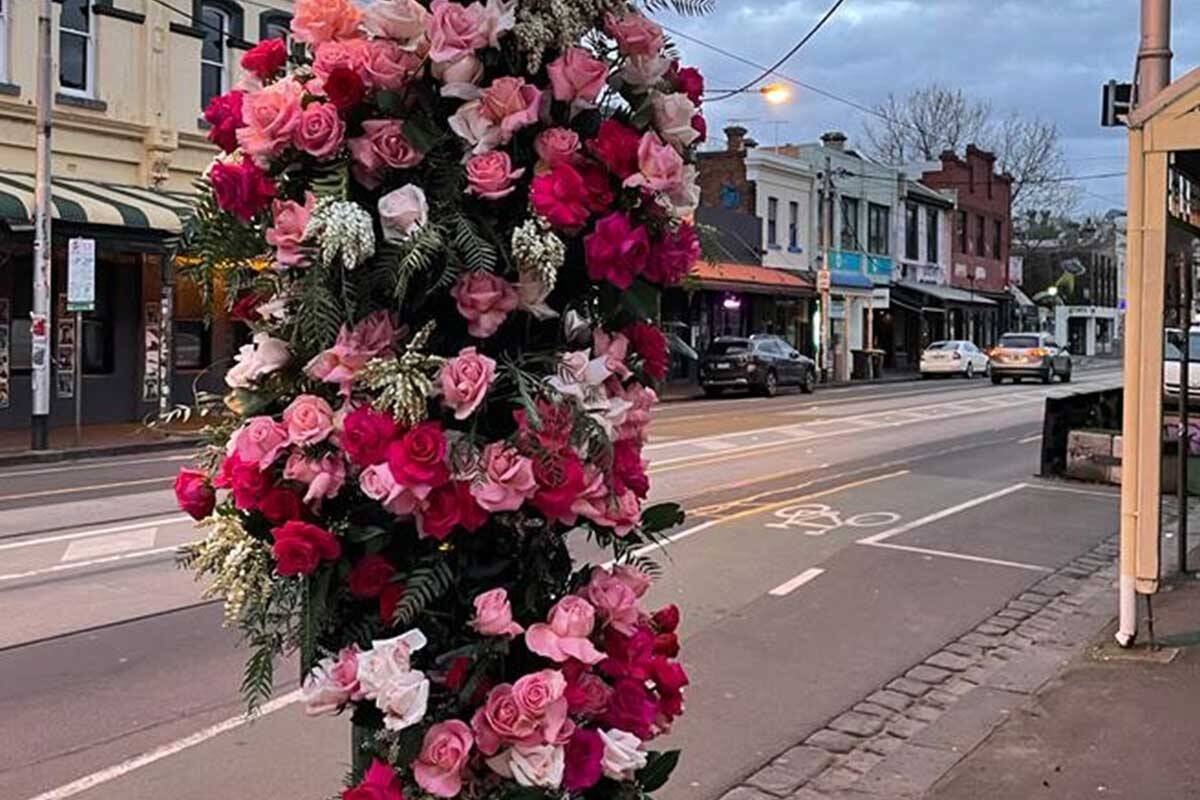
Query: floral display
446, 225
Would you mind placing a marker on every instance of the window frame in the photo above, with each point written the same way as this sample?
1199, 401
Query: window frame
772, 222
793, 226
848, 235
205, 339
89, 61
223, 66
879, 223
912, 232
932, 236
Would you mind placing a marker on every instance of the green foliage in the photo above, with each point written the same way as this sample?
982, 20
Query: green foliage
475, 251
661, 517
320, 310
258, 677
315, 608
422, 586
689, 8
658, 769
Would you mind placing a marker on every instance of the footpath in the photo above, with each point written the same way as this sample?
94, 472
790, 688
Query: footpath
1037, 701
96, 440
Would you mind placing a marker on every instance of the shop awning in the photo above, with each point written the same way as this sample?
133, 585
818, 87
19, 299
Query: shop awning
947, 294
1022, 299
850, 280
727, 276
94, 203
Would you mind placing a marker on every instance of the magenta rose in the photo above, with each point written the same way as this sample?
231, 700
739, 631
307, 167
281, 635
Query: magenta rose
241, 189
309, 420
484, 300
560, 197
491, 175
366, 434
272, 115
279, 505
616, 145
632, 708
287, 234
689, 81
444, 753
629, 469
418, 458
300, 547
224, 114
194, 494
382, 146
507, 479
673, 256
512, 104
343, 87
577, 77
321, 130
616, 251
493, 615
584, 755
440, 514
587, 694
456, 30
554, 146
465, 380
560, 481
379, 783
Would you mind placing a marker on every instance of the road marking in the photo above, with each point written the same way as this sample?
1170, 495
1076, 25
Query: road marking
98, 546
946, 512
91, 465
958, 556
1037, 437
787, 587
67, 537
77, 489
716, 445
34, 573
818, 519
165, 751
1069, 490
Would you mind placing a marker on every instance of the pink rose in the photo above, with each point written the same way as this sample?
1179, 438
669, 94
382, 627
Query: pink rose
309, 420
637, 581
465, 381
259, 441
475, 126
378, 483
588, 695
402, 211
456, 30
194, 493
616, 251
512, 104
287, 234
673, 114
389, 67
555, 146
645, 71
321, 130
316, 21
491, 176
324, 476
330, 56
460, 77
565, 635
500, 721
673, 256
493, 615
577, 77
444, 753
641, 401
484, 300
404, 21
508, 479
660, 167
272, 115
636, 35
332, 684
614, 600
540, 695
375, 334
382, 146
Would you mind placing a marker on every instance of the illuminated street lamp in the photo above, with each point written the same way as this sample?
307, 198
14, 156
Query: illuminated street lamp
776, 93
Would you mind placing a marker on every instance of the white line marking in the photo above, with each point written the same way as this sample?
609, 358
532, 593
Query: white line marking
795, 583
165, 751
77, 489
33, 573
1093, 493
959, 556
716, 446
67, 537
1037, 437
91, 465
946, 512
100, 546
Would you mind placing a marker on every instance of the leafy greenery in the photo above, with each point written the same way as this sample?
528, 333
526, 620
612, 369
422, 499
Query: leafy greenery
661, 517
658, 769
422, 586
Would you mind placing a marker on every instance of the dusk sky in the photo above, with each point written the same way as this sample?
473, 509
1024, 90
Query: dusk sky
1045, 58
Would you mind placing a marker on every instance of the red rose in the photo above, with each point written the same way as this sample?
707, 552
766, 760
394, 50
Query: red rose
689, 81
440, 514
194, 493
366, 434
672, 257
471, 515
598, 185
560, 483
248, 482
224, 114
666, 619
419, 457
669, 676
456, 676
300, 547
632, 708
343, 87
700, 126
584, 755
280, 505
245, 308
666, 644
379, 783
370, 576
241, 189
560, 197
628, 469
389, 598
616, 250
266, 58
649, 343
616, 145
628, 656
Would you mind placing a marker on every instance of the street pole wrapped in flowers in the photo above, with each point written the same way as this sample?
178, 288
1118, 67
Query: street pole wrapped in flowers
447, 225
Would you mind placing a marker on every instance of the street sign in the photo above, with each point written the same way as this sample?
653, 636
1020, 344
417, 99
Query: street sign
1115, 104
823, 280
81, 275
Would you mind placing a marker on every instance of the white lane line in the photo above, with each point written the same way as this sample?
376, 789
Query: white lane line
716, 446
34, 573
1069, 490
68, 537
1037, 437
165, 751
787, 587
100, 546
958, 556
89, 488
82, 465
945, 512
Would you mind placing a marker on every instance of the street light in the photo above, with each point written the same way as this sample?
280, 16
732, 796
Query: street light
776, 93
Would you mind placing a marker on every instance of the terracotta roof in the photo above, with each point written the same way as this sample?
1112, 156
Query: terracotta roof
750, 278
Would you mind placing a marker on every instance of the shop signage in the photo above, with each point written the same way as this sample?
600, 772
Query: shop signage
81, 275
823, 280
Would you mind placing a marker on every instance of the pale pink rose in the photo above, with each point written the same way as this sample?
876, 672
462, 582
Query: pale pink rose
641, 401
660, 167
402, 211
314, 86
316, 21
555, 146
328, 56
253, 361
623, 754
577, 77
382, 146
512, 104
507, 480
499, 16
332, 683
324, 476
531, 765
491, 176
321, 130
272, 115
613, 600
484, 300
636, 34
309, 420
404, 21
614, 349
645, 71
493, 615
287, 234
378, 483
460, 77
565, 635
300, 468
259, 441
475, 126
465, 380
351, 351
673, 114
375, 334
455, 30
388, 66
540, 695
444, 753
625, 513
638, 581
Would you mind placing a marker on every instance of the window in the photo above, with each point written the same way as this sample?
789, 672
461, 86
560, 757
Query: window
97, 339
4, 40
962, 231
931, 235
274, 25
772, 222
912, 236
877, 229
980, 236
793, 226
191, 344
214, 72
76, 51
997, 237
850, 223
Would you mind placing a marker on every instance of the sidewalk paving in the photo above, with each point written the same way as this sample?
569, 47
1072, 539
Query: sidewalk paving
97, 440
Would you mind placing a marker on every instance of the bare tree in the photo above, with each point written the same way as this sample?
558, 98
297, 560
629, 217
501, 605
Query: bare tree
1031, 152
920, 126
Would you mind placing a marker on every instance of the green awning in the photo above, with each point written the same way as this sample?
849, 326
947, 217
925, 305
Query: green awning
95, 203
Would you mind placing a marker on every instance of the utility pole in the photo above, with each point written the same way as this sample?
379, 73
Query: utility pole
824, 276
1154, 50
42, 246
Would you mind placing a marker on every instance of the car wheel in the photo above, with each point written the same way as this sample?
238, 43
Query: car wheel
770, 384
1048, 375
809, 382
969, 373
713, 391
997, 380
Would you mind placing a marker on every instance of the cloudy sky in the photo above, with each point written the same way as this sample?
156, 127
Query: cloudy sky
1045, 58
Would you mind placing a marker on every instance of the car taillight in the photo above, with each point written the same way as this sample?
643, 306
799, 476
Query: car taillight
1038, 352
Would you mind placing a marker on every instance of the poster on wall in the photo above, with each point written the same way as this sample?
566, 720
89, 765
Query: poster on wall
65, 350
5, 356
153, 350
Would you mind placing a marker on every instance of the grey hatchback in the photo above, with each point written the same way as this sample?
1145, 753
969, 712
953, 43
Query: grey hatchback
759, 363
1030, 355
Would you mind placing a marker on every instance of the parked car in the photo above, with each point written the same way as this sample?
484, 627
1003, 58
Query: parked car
760, 363
1030, 355
1172, 359
953, 357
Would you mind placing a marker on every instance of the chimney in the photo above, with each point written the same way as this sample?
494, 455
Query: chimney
751, 143
735, 138
834, 140
1154, 51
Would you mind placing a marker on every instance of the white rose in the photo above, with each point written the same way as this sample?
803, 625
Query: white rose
402, 211
276, 308
321, 693
402, 20
643, 71
673, 118
622, 754
683, 201
540, 765
475, 128
404, 700
573, 365
386, 661
261, 357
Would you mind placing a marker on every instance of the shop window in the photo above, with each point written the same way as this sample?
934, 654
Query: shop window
931, 235
772, 222
192, 344
878, 219
76, 49
912, 236
21, 303
794, 226
214, 71
97, 327
850, 223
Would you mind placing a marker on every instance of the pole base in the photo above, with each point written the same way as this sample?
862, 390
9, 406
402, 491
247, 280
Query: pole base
40, 432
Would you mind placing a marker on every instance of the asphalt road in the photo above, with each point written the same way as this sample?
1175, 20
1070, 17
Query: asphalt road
833, 540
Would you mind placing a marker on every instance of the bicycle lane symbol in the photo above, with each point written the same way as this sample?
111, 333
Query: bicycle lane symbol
818, 519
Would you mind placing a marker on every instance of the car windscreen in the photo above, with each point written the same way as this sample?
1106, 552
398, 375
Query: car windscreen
943, 346
1173, 352
728, 348
1019, 342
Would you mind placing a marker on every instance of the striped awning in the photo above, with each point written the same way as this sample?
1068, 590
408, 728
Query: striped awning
95, 203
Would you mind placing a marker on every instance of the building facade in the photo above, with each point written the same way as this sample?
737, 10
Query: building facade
915, 318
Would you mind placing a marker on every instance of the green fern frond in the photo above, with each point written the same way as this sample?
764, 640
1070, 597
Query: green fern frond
422, 587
